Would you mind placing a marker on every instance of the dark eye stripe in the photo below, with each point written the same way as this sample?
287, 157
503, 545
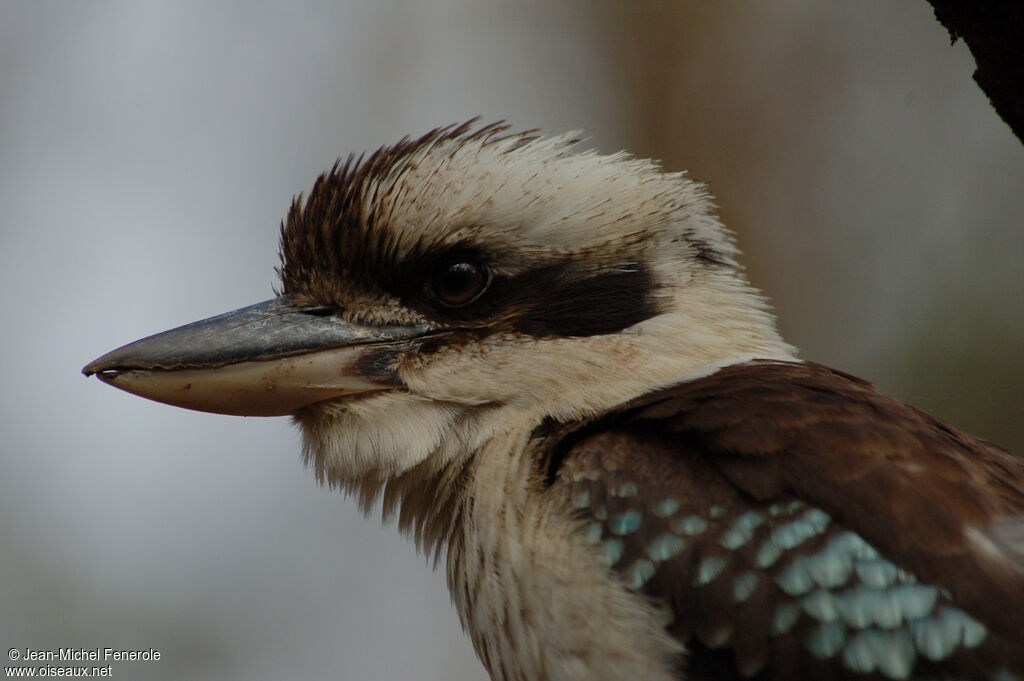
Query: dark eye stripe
553, 305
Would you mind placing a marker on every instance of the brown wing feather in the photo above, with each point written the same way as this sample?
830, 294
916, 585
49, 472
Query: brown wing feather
910, 484
724, 470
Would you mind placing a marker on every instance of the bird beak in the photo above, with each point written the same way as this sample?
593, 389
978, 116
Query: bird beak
268, 359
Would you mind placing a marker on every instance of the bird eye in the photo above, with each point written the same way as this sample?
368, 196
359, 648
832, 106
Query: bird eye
459, 282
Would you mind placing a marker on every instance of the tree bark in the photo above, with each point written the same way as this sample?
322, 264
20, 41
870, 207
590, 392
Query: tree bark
994, 32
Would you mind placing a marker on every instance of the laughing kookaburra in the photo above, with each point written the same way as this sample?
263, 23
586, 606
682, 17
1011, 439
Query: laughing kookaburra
550, 367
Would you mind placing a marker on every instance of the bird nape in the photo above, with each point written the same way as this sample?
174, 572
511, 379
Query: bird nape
550, 367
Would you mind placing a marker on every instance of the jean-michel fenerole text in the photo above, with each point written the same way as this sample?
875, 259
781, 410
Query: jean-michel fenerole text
91, 655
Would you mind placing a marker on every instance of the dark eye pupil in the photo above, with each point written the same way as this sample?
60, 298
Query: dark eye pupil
459, 283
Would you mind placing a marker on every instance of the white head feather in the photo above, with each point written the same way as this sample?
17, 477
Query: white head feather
531, 203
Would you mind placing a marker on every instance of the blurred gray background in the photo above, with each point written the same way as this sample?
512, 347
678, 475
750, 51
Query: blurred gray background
148, 151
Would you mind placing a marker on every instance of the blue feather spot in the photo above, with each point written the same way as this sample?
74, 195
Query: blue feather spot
612, 551
732, 540
826, 640
639, 572
962, 626
741, 531
878, 573
794, 579
625, 523
829, 568
939, 636
690, 525
796, 532
743, 586
786, 615
708, 570
666, 507
790, 535
898, 659
856, 606
665, 546
581, 498
854, 546
817, 519
592, 532
931, 641
974, 631
749, 520
767, 554
886, 610
716, 511
915, 600
891, 653
859, 655
821, 605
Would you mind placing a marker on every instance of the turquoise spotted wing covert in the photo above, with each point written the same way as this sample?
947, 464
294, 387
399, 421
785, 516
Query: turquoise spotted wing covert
768, 557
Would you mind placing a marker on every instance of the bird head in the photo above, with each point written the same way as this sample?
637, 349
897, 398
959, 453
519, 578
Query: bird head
470, 281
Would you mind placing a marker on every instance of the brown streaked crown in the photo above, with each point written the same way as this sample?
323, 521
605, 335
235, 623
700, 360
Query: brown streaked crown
344, 247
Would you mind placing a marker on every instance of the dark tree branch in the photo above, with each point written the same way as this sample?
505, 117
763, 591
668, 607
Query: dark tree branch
994, 32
